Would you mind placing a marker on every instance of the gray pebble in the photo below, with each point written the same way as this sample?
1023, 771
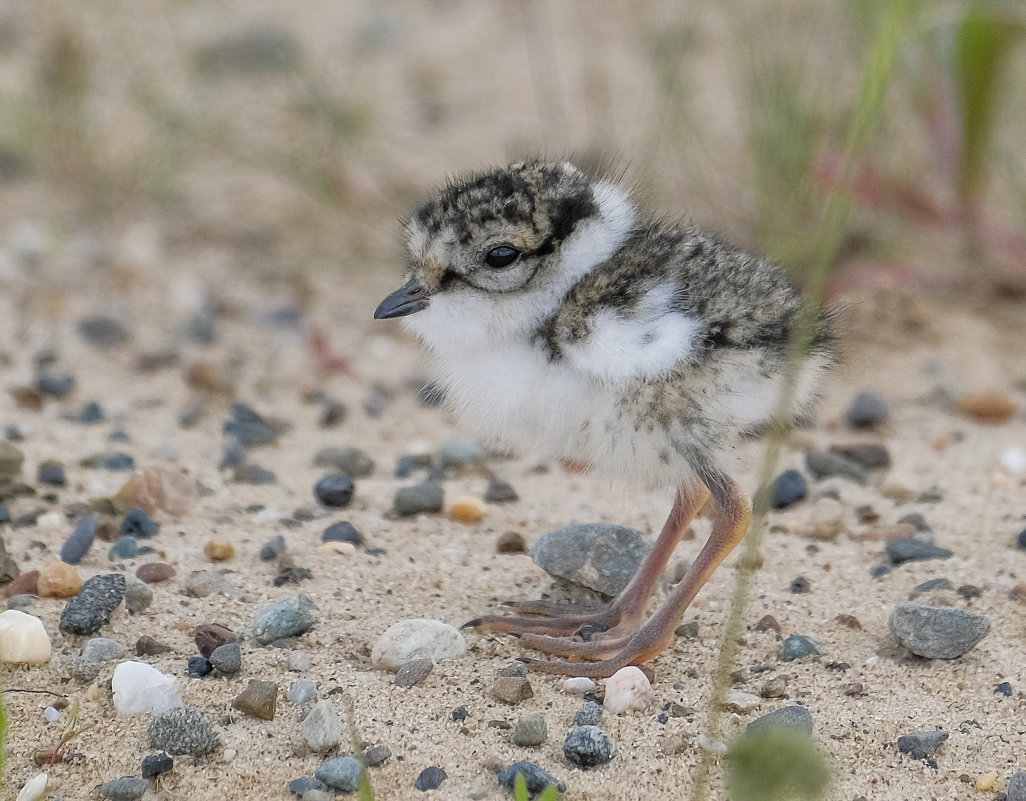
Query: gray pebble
600, 556
128, 788
90, 610
930, 586
272, 549
798, 646
127, 547
826, 463
302, 691
138, 597
55, 385
248, 428
21, 601
184, 730
322, 727
52, 473
376, 755
103, 331
91, 413
499, 491
937, 632
589, 715
117, 462
910, 549
922, 744
155, 764
512, 689
426, 497
139, 524
588, 746
78, 544
792, 717
103, 649
227, 658
535, 778
866, 410
530, 731
459, 453
254, 475
333, 414
334, 490
299, 661
1017, 787
341, 773
287, 618
789, 488
917, 520
351, 461
514, 669
305, 783
342, 531
413, 672
430, 779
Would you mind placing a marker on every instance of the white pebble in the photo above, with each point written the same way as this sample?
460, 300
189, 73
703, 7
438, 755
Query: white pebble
51, 521
712, 746
51, 714
229, 754
627, 689
299, 661
578, 685
1014, 461
742, 702
416, 639
269, 514
33, 788
139, 688
23, 639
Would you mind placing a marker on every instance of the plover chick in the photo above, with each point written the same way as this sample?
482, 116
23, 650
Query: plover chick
567, 324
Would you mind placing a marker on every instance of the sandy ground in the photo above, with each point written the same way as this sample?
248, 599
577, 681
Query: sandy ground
435, 567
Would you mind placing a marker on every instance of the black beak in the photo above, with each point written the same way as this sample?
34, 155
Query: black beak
409, 298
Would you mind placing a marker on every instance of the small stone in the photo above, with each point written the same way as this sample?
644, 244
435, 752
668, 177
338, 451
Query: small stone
138, 597
800, 586
922, 744
460, 714
81, 669
798, 646
518, 669
116, 462
23, 639
792, 717
254, 475
103, 332
126, 547
127, 788
987, 407
302, 691
589, 715
218, 550
334, 490
33, 789
588, 746
341, 773
376, 755
23, 584
183, 731
413, 672
259, 699
1004, 689
789, 488
11, 460
823, 464
154, 572
248, 428
199, 667
866, 410
343, 531
535, 778
78, 544
92, 608
147, 646
910, 549
427, 497
140, 688
304, 785
227, 659
430, 778
52, 473
689, 630
299, 661
511, 542
58, 579
459, 453
201, 583
937, 632
578, 685
414, 639
1017, 787
91, 413
600, 556
499, 491
775, 687
530, 731
322, 727
333, 414
512, 689
869, 455
288, 618
628, 689
467, 509
742, 702
56, 385
917, 521
209, 636
103, 649
155, 764
272, 549
139, 524
850, 621
351, 461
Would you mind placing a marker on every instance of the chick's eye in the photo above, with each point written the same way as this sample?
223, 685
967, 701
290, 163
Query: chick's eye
501, 256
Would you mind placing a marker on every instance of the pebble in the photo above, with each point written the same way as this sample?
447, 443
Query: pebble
117, 462
467, 509
154, 572
81, 669
530, 731
413, 672
601, 556
426, 497
869, 455
140, 688
299, 661
416, 638
535, 778
77, 545
910, 549
460, 453
227, 659
800, 585
288, 618
58, 579
511, 542
138, 597
33, 789
92, 608
930, 586
512, 689
628, 689
139, 524
937, 632
304, 784
986, 407
248, 428
103, 331
322, 727
917, 521
1004, 689
798, 646
343, 531
742, 702
866, 411
376, 755
589, 715
499, 491
302, 691
1014, 461
91, 413
52, 473
218, 550
183, 731
922, 744
126, 547
103, 649
23, 639
517, 668
147, 646
341, 773
201, 583
259, 699
56, 385
272, 549
155, 764
791, 717
23, 584
351, 461
333, 414
823, 464
775, 687
334, 490
127, 788
578, 685
588, 746
788, 488
1017, 787
430, 779
254, 475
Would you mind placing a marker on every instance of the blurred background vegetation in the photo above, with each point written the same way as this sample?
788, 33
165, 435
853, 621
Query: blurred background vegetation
291, 137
